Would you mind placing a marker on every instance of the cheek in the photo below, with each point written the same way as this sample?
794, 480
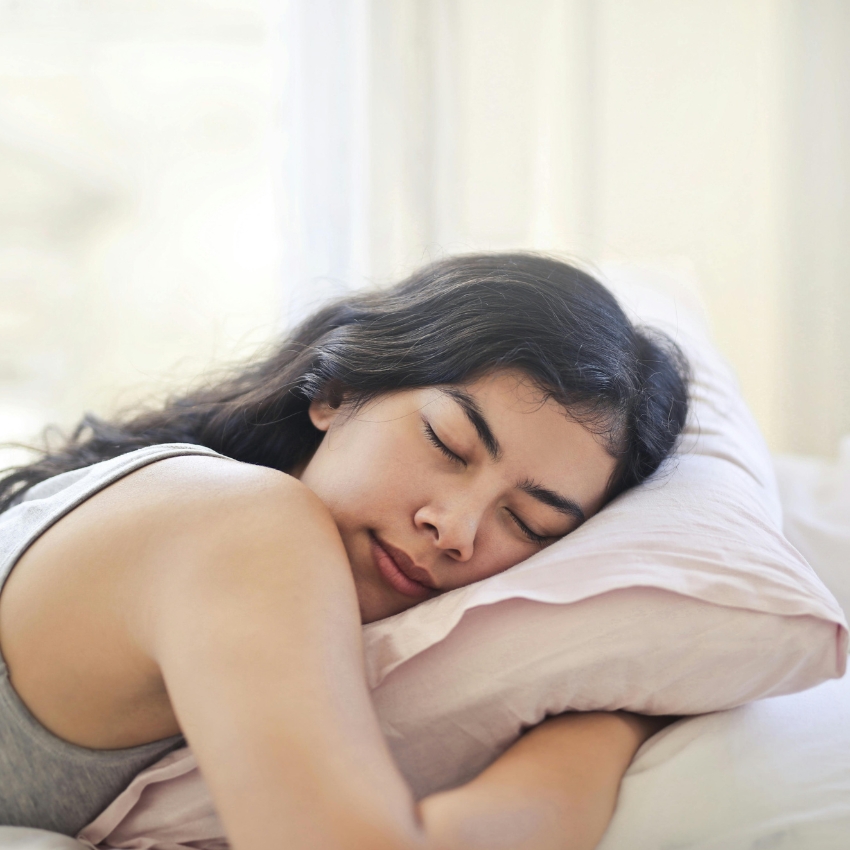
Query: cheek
496, 550
367, 474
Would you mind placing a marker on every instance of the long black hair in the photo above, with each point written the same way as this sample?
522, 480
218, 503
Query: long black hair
448, 323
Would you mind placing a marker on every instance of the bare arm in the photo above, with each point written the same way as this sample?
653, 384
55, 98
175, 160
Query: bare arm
214, 597
555, 789
252, 618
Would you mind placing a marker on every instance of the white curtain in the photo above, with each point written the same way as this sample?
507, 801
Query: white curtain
327, 163
816, 304
139, 241
711, 136
155, 158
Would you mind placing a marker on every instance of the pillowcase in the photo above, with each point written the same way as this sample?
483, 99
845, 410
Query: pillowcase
682, 596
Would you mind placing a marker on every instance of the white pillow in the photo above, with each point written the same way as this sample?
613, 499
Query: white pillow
774, 774
680, 597
816, 505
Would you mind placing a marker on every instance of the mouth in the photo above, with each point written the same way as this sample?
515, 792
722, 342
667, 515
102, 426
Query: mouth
396, 568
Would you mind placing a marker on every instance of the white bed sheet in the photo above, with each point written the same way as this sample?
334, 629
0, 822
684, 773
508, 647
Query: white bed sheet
21, 838
815, 494
773, 774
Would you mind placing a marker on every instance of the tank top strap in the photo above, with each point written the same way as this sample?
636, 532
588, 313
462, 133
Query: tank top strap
45, 781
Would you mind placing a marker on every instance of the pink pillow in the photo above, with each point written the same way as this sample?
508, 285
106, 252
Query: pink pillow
680, 597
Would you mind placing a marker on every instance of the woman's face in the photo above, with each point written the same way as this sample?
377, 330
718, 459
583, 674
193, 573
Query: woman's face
435, 488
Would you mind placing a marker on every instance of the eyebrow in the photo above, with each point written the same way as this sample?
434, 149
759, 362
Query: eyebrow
477, 419
554, 500
485, 433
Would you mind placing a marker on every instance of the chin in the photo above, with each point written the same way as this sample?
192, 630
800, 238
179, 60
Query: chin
375, 605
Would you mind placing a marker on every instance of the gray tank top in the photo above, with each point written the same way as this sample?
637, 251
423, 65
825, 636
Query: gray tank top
46, 782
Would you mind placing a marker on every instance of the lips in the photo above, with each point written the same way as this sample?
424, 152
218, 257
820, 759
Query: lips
399, 571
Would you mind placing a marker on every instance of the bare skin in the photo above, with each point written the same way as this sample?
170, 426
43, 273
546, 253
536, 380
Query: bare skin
225, 601
461, 518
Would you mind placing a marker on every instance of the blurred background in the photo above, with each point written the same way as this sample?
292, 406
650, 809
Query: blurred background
180, 180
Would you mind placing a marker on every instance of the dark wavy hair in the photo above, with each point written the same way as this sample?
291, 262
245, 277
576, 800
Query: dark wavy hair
448, 323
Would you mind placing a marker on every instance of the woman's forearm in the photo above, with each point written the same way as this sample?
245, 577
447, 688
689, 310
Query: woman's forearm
252, 618
555, 788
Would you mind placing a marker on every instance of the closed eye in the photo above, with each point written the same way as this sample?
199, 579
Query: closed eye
539, 539
439, 444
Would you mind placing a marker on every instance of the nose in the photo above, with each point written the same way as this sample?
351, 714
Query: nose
452, 529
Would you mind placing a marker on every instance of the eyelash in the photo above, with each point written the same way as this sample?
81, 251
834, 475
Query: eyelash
439, 444
534, 538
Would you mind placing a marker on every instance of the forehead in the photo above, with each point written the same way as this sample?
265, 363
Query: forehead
516, 409
537, 436
510, 390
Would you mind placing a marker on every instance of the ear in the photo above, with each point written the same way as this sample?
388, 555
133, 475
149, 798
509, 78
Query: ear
322, 415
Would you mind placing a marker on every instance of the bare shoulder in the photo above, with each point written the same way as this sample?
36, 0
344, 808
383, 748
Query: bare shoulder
189, 503
166, 537
212, 505
192, 498
212, 486
207, 597
74, 610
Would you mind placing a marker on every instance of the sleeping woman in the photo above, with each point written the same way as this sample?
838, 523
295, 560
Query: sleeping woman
399, 444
